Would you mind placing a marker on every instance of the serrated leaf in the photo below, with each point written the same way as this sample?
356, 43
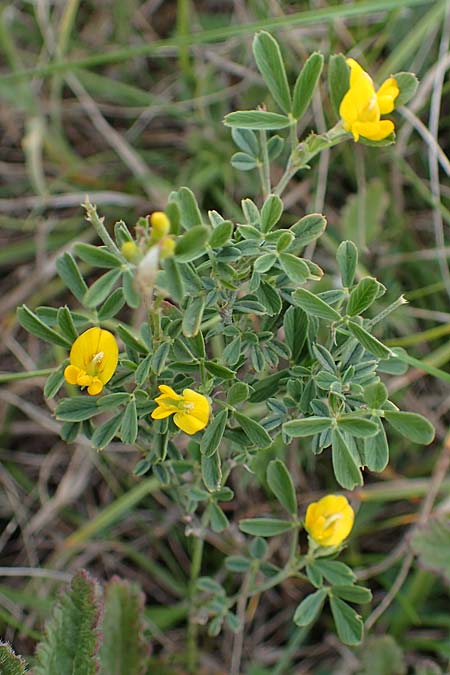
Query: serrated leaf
264, 527
71, 634
256, 119
270, 64
411, 425
280, 482
31, 322
362, 296
213, 435
10, 664
124, 648
349, 625
338, 80
309, 426
306, 84
368, 341
346, 470
314, 306
191, 245
309, 608
101, 289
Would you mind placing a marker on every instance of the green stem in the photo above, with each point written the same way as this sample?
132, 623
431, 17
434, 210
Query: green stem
99, 226
13, 377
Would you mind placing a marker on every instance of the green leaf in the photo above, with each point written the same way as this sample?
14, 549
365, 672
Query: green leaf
431, 542
71, 634
76, 409
357, 594
112, 401
54, 382
306, 84
270, 64
357, 426
349, 625
158, 360
219, 371
280, 482
368, 341
264, 262
411, 425
346, 470
269, 297
212, 472
308, 229
193, 315
237, 563
221, 234
124, 648
258, 548
307, 426
129, 425
362, 296
295, 323
130, 339
35, 326
347, 260
219, 521
101, 288
253, 430
239, 392
243, 162
275, 145
309, 608
375, 395
97, 256
173, 281
66, 324
213, 435
246, 140
382, 656
271, 212
407, 83
112, 305
192, 244
314, 306
264, 527
68, 270
256, 119
376, 449
130, 292
10, 664
296, 268
105, 433
335, 572
338, 80
189, 211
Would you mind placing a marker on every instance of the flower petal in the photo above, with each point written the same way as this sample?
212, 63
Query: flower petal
71, 374
168, 391
107, 345
85, 347
374, 131
188, 423
201, 407
387, 94
95, 387
162, 412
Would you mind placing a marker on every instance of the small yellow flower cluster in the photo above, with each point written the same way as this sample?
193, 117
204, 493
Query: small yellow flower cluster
362, 106
159, 236
329, 521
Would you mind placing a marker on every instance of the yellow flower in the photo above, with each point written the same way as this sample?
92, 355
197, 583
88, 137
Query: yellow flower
93, 360
160, 225
329, 521
362, 106
129, 250
166, 247
190, 410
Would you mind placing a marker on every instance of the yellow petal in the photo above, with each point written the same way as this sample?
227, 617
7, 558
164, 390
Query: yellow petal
84, 380
387, 94
168, 391
374, 131
71, 374
201, 407
96, 387
85, 347
188, 423
163, 411
107, 345
357, 72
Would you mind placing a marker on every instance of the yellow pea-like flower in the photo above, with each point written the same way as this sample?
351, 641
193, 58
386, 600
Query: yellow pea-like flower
93, 360
190, 409
330, 520
362, 106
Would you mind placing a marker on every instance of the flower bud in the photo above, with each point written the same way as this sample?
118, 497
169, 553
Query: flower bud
160, 225
129, 250
166, 248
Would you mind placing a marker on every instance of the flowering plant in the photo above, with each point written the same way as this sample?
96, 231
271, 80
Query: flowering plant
240, 352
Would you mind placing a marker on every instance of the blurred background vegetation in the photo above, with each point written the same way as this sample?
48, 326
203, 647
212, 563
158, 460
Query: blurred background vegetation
124, 100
